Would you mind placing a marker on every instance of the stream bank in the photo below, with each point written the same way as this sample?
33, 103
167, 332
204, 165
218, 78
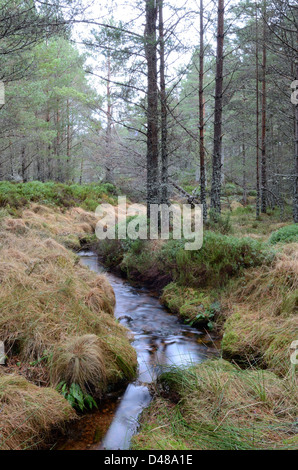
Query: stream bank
161, 342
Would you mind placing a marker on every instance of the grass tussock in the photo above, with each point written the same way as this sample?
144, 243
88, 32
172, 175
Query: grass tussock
217, 406
29, 413
50, 302
261, 314
80, 360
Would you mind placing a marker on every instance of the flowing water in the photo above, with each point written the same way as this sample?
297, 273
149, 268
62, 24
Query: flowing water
160, 340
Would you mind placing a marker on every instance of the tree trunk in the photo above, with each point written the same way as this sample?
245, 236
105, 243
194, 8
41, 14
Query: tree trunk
24, 164
295, 202
263, 152
202, 117
49, 159
164, 196
59, 165
68, 142
108, 166
244, 179
152, 107
217, 145
257, 123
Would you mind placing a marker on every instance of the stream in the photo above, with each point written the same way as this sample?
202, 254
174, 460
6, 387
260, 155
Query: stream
160, 340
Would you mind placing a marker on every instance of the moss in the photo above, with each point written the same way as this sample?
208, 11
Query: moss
194, 306
231, 338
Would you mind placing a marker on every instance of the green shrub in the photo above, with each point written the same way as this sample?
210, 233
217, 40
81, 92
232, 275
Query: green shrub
220, 224
220, 258
17, 195
286, 234
244, 210
231, 189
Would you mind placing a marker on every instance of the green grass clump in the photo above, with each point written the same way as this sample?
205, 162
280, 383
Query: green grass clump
286, 234
17, 195
217, 406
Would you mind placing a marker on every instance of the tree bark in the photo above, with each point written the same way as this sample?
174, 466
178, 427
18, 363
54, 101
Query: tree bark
68, 142
295, 201
257, 123
108, 166
264, 123
244, 176
164, 197
217, 145
152, 106
202, 117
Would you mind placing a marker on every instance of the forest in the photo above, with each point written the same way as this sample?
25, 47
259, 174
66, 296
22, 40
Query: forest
133, 343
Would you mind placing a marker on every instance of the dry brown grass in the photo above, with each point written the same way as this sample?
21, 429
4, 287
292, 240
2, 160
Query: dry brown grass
29, 413
47, 297
67, 227
58, 314
262, 318
80, 360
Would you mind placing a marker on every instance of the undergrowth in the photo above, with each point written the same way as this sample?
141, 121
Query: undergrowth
88, 196
217, 406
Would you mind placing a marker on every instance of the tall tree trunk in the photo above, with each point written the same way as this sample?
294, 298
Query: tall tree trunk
244, 178
257, 121
164, 196
152, 107
24, 164
295, 201
202, 116
81, 171
49, 156
264, 123
217, 145
108, 166
68, 142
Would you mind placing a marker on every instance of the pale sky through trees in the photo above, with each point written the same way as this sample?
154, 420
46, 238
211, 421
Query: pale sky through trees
183, 15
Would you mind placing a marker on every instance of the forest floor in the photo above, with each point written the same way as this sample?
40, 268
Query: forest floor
242, 284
